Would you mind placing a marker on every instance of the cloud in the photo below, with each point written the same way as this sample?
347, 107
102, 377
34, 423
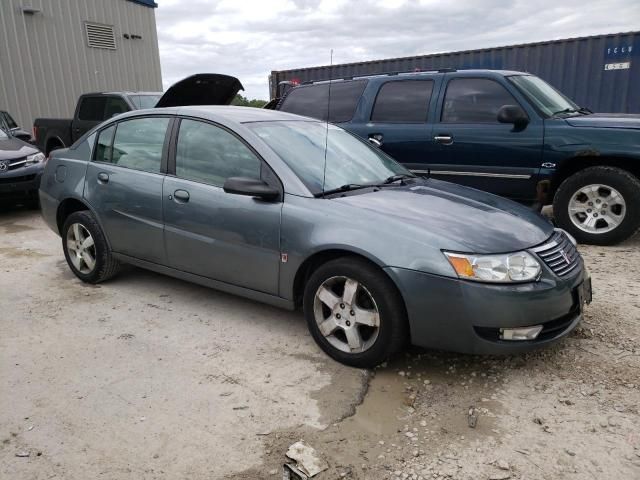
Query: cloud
249, 39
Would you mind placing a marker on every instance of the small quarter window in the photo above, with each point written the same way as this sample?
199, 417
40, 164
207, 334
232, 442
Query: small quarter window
103, 147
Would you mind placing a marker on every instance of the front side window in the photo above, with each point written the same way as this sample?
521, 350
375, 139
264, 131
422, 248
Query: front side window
138, 143
313, 100
349, 160
403, 101
474, 100
92, 109
144, 101
209, 154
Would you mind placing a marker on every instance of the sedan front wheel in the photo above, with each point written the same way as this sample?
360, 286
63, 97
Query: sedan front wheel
355, 312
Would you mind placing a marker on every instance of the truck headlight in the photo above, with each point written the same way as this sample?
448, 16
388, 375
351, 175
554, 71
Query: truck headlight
35, 158
501, 268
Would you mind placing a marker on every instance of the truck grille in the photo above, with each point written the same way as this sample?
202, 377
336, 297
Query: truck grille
559, 254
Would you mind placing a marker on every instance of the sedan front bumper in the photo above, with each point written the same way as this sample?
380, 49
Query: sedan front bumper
463, 316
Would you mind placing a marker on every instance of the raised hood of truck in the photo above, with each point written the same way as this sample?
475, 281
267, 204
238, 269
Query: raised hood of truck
201, 89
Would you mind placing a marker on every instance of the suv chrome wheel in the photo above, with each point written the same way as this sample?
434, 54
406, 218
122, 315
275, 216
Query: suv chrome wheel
346, 314
597, 208
81, 248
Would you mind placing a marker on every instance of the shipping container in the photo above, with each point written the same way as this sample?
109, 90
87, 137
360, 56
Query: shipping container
600, 72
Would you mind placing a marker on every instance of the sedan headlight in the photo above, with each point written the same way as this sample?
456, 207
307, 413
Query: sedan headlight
35, 158
501, 268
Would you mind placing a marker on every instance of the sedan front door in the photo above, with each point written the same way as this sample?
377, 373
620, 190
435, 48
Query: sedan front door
225, 237
123, 184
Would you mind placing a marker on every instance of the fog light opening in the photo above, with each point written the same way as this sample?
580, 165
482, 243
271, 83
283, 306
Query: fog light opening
520, 333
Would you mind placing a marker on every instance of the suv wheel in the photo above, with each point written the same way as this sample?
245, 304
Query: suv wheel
354, 312
599, 205
86, 249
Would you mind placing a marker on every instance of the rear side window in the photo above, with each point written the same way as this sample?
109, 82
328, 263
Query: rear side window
92, 109
403, 101
138, 143
209, 154
115, 106
103, 146
311, 100
474, 100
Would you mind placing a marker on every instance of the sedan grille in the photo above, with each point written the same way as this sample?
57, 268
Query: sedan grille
559, 254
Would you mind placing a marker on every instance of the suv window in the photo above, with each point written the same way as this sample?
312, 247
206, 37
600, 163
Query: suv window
209, 154
311, 100
138, 143
92, 109
403, 101
474, 100
103, 147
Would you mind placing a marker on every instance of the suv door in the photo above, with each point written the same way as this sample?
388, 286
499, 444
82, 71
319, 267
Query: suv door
230, 238
123, 184
400, 120
474, 149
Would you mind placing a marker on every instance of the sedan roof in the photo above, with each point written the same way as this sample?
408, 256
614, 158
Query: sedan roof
239, 114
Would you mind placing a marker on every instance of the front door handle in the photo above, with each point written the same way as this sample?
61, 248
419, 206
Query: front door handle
443, 139
103, 177
181, 196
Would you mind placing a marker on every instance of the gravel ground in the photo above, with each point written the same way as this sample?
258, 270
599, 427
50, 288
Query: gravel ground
150, 377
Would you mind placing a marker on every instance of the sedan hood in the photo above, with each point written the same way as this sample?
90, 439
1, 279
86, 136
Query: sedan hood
606, 120
11, 148
460, 218
201, 89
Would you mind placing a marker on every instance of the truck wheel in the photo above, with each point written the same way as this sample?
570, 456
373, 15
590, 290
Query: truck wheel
599, 205
354, 312
86, 249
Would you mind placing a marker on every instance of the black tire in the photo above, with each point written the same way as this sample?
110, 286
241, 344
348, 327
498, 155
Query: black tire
105, 265
393, 329
621, 180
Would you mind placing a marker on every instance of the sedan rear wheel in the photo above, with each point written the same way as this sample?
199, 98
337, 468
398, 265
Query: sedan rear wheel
354, 312
86, 249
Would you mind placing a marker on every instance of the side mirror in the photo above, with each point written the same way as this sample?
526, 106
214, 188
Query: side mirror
251, 187
513, 114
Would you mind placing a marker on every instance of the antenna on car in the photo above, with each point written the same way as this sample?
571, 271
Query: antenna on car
326, 136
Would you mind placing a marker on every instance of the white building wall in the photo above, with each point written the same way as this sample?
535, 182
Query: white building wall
45, 63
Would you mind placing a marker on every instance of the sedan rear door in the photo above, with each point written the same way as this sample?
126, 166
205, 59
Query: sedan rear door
230, 238
123, 184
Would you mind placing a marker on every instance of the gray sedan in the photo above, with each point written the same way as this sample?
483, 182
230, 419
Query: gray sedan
297, 213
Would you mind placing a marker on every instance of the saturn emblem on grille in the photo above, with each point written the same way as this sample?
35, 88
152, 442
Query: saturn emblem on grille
565, 256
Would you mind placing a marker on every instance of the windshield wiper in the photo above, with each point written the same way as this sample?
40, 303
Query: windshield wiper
566, 110
400, 177
585, 110
343, 188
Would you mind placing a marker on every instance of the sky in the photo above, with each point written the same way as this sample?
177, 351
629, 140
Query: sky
248, 39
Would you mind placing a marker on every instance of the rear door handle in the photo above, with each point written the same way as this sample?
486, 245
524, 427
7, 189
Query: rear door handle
181, 196
103, 177
376, 139
443, 139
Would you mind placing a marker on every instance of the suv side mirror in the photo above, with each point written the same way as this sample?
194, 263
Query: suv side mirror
251, 187
513, 114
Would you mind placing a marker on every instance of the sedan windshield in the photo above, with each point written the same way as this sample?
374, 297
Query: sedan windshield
543, 95
350, 161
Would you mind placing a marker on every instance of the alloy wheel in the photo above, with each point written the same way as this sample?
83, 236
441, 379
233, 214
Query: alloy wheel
81, 248
346, 314
597, 208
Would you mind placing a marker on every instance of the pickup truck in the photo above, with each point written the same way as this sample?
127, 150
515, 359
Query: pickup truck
505, 132
91, 110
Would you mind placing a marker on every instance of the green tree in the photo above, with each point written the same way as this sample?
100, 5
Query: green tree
243, 101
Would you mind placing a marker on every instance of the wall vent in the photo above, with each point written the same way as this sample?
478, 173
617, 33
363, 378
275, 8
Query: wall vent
100, 36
